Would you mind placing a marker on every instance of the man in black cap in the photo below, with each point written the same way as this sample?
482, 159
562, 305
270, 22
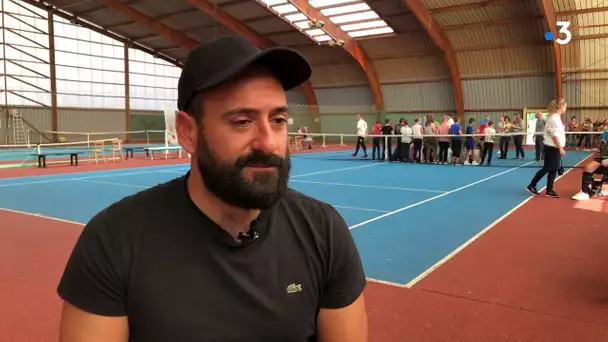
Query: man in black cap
227, 252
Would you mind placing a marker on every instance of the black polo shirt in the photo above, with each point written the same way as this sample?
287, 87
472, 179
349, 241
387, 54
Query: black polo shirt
156, 258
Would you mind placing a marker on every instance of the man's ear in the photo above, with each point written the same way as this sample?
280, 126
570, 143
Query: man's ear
187, 131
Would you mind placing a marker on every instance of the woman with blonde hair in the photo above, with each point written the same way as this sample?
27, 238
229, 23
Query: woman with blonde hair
518, 127
554, 140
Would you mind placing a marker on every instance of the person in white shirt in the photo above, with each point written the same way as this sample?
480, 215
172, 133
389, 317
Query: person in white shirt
417, 134
406, 141
554, 140
361, 135
488, 143
450, 120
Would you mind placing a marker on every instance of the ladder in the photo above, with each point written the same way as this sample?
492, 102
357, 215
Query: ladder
19, 137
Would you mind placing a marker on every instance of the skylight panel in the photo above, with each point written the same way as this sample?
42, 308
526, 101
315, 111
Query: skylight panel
327, 3
296, 17
363, 25
273, 2
301, 24
315, 32
371, 32
282, 9
345, 9
324, 38
354, 17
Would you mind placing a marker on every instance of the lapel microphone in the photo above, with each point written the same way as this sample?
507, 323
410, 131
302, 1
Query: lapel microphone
249, 237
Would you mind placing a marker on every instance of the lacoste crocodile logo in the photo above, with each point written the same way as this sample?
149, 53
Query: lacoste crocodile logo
293, 288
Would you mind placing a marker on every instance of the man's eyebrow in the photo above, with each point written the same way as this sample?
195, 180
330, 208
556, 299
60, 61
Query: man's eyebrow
281, 109
250, 111
239, 111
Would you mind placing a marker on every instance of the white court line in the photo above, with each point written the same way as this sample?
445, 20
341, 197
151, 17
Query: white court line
370, 186
174, 171
478, 235
112, 183
336, 170
361, 209
97, 171
87, 177
42, 216
438, 196
78, 178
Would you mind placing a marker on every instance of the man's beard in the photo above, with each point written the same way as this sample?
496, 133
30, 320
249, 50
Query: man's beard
227, 182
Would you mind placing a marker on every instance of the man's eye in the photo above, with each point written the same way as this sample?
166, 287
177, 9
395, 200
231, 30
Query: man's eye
279, 121
242, 123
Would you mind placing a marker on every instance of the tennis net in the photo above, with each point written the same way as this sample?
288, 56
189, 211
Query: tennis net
507, 150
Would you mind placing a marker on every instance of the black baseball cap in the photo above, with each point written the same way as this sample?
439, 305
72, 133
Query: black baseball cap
217, 61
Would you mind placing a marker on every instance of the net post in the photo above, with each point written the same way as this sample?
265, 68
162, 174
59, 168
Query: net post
323, 136
88, 141
148, 137
342, 139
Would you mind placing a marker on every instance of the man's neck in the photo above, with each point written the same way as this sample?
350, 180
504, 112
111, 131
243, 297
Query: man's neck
232, 219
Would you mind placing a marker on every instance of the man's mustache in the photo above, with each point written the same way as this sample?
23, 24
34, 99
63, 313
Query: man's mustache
259, 158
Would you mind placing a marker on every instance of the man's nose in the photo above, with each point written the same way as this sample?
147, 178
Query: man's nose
265, 139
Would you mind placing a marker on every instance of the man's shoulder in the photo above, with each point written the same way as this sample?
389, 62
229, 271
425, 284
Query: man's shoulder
301, 204
139, 207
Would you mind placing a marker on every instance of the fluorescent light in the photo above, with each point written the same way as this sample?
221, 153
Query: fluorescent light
345, 9
382, 30
323, 3
273, 2
285, 9
302, 24
315, 32
361, 26
354, 17
323, 38
296, 17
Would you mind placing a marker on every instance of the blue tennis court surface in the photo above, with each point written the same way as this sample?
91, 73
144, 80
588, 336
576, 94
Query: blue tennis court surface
404, 217
24, 153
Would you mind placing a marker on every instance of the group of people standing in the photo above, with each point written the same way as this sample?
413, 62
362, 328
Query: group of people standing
426, 141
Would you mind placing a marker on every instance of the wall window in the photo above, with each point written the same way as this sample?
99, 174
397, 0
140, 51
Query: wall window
26, 51
153, 82
90, 68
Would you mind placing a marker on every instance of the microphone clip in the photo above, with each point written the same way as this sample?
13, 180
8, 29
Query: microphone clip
249, 237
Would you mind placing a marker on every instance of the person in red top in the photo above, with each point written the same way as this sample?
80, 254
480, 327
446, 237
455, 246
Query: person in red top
376, 132
483, 125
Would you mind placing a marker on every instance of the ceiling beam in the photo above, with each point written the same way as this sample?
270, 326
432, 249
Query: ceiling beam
443, 43
155, 25
101, 30
350, 45
254, 38
549, 16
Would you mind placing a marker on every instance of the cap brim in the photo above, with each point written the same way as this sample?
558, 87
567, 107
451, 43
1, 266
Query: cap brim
290, 67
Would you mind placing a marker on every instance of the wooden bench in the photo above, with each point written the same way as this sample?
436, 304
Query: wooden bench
150, 151
130, 149
42, 157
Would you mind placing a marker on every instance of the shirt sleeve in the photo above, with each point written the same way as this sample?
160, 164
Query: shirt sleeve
95, 276
346, 279
551, 127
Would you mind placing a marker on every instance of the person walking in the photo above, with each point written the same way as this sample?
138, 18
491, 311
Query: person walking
554, 140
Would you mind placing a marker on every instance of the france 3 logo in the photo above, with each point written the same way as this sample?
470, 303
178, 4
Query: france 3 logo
564, 35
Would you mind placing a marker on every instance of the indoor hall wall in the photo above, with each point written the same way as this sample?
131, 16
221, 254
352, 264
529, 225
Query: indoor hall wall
339, 106
38, 117
299, 112
81, 121
435, 96
508, 93
147, 121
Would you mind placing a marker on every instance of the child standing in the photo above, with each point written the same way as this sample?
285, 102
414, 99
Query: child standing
488, 143
470, 143
376, 131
